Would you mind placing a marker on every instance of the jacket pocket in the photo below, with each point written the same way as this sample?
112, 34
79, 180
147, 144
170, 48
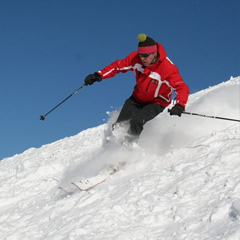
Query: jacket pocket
152, 85
165, 93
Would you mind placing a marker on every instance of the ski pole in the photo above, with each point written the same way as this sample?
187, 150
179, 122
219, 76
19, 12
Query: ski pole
203, 115
43, 116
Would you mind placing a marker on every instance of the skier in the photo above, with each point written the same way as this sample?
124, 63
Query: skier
156, 78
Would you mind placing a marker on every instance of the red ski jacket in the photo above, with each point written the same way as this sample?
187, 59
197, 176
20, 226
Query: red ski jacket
155, 82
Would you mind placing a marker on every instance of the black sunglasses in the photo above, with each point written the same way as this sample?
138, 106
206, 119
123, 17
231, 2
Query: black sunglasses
144, 55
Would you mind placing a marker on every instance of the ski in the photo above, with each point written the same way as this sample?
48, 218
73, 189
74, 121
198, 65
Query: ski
91, 182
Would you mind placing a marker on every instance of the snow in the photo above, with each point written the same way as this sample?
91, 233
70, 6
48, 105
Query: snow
182, 182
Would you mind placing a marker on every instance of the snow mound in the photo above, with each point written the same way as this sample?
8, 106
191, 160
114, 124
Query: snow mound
183, 182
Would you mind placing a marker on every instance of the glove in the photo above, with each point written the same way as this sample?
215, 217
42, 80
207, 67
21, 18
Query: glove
177, 109
92, 78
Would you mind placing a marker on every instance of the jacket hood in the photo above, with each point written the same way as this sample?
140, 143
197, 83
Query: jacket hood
161, 51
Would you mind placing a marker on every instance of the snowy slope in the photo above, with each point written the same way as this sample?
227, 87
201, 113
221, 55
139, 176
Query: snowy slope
183, 183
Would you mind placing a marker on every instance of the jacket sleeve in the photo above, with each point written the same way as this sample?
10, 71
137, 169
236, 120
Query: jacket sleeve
118, 66
180, 87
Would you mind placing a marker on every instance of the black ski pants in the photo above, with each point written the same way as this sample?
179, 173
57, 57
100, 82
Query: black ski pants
138, 114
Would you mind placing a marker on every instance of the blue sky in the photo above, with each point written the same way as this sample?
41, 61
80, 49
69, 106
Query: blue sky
47, 48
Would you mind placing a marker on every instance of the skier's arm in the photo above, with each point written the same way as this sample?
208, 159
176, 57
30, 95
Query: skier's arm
180, 87
118, 66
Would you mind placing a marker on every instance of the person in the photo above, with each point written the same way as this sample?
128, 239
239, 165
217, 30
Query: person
156, 78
